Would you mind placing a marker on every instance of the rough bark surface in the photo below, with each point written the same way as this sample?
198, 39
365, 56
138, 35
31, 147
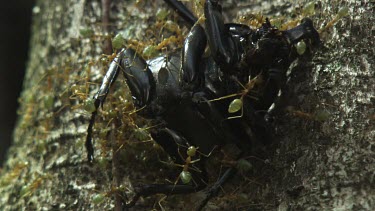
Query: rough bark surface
323, 157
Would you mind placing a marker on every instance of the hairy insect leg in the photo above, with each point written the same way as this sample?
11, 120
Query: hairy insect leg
184, 12
99, 99
194, 47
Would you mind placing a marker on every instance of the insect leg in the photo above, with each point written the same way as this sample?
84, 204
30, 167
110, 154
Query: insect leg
194, 46
222, 46
138, 77
303, 31
152, 189
275, 78
259, 129
169, 140
215, 188
140, 82
239, 29
184, 12
99, 99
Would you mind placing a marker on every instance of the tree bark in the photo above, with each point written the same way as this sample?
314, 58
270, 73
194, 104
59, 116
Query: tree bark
322, 157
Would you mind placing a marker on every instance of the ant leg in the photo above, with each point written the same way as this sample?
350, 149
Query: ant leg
152, 189
184, 12
215, 110
209, 154
169, 140
194, 47
99, 99
223, 48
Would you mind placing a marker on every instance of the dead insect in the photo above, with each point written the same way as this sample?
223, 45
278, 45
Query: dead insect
177, 89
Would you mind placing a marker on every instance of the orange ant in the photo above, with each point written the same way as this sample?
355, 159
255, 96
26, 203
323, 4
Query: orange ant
185, 175
340, 14
237, 104
319, 115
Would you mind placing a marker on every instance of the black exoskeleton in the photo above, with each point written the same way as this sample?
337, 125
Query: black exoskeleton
189, 92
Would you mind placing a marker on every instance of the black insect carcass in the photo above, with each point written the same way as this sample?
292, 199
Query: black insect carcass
207, 100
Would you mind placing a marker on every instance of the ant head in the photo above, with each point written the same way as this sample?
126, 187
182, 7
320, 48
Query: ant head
192, 151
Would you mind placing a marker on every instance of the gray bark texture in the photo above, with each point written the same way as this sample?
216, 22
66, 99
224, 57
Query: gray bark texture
322, 158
